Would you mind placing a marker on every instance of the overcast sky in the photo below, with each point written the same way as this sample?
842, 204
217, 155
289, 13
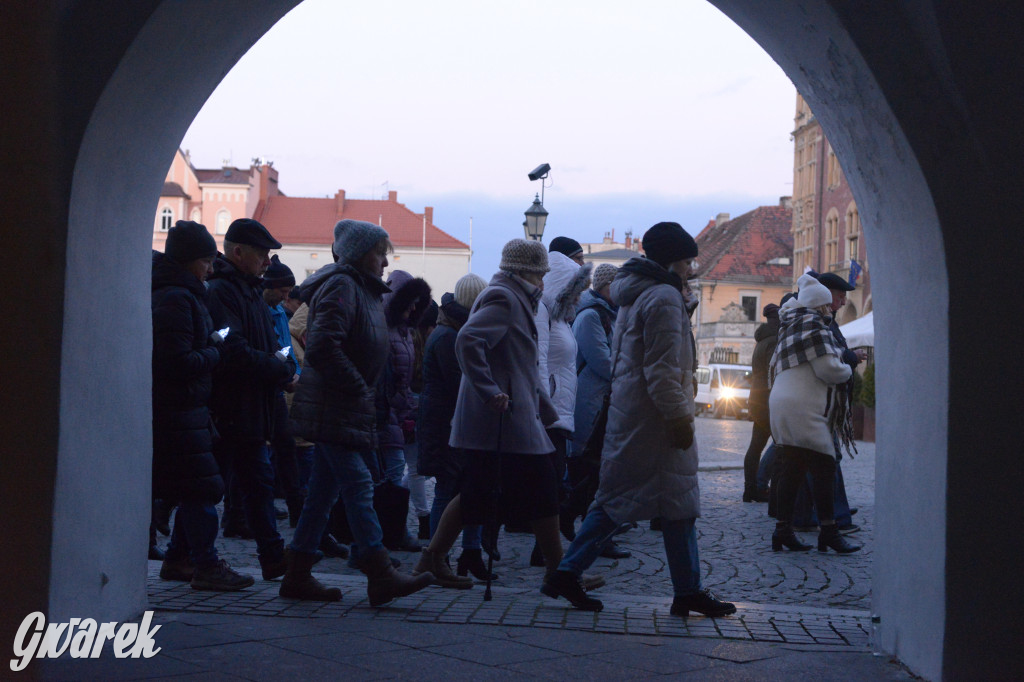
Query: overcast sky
650, 110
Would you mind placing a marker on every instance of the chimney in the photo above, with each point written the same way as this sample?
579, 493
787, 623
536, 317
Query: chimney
393, 196
428, 212
629, 241
339, 203
786, 202
721, 218
268, 182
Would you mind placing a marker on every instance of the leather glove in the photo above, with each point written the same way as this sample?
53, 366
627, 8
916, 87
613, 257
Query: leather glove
680, 432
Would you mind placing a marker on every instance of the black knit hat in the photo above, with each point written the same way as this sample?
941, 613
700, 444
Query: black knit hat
278, 275
668, 242
251, 232
570, 247
187, 241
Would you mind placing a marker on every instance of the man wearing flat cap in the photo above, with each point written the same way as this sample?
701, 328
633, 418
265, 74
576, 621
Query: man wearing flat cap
246, 386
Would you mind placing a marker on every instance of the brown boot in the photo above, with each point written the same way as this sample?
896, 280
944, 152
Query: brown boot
299, 583
384, 583
437, 563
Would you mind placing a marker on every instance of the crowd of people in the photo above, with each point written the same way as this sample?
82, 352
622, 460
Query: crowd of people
555, 399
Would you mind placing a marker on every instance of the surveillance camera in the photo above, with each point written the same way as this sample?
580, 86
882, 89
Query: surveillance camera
539, 172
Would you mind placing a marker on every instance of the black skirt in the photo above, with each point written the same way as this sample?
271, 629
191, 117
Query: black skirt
517, 488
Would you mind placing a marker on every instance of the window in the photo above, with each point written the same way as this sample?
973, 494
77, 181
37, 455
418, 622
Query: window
852, 233
703, 375
196, 215
223, 218
749, 305
831, 240
166, 217
735, 378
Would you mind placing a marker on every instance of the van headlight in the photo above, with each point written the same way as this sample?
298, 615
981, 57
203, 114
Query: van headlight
728, 393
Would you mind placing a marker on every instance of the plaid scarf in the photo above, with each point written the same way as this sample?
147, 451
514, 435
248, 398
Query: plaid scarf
803, 336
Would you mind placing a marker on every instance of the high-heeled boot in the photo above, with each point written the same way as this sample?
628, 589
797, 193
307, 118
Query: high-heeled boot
471, 561
785, 537
829, 537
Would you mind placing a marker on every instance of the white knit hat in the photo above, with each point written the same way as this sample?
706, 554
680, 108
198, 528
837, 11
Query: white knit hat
468, 288
603, 276
524, 255
812, 292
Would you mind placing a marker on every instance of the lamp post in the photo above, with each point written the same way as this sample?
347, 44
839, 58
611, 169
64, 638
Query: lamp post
536, 217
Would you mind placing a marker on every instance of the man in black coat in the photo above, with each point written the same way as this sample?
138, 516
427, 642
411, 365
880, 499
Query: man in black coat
246, 384
766, 337
185, 352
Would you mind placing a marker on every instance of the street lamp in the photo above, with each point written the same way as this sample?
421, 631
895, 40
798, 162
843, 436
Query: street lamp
536, 216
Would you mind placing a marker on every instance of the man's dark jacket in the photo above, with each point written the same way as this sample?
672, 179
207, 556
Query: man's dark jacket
766, 336
246, 383
183, 364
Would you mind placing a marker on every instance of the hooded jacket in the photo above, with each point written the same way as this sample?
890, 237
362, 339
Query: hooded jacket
183, 362
592, 329
247, 382
556, 345
346, 350
643, 475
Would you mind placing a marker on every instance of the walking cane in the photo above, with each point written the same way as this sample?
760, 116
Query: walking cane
494, 521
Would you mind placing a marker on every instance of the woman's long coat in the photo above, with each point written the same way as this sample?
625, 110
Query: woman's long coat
497, 351
643, 476
593, 331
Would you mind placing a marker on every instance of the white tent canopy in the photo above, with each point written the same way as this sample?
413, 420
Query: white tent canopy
860, 332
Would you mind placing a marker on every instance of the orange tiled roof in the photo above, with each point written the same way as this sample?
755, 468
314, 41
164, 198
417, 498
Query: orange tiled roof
305, 220
739, 249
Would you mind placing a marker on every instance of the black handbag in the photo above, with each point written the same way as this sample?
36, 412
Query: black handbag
390, 502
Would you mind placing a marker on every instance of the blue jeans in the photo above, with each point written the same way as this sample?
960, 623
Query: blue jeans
765, 468
194, 534
680, 538
247, 464
445, 488
304, 457
338, 470
394, 465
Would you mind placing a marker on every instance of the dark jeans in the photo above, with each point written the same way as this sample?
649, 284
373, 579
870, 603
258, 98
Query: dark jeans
282, 445
759, 436
304, 459
194, 534
767, 467
245, 465
796, 463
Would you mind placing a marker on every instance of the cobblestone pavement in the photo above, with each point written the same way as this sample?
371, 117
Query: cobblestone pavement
792, 598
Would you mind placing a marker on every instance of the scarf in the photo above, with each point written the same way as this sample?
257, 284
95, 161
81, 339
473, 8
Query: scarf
803, 336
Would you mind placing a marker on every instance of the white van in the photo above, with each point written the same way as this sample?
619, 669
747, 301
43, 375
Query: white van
723, 390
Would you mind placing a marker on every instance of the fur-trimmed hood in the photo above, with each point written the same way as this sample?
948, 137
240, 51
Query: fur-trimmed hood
405, 290
563, 284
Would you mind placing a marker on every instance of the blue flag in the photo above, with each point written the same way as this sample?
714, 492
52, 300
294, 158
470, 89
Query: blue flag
855, 270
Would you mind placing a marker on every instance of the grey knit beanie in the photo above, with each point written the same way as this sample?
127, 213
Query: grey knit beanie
468, 288
354, 238
603, 276
524, 255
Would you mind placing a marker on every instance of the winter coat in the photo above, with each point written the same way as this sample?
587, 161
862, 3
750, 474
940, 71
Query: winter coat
346, 351
183, 363
801, 399
592, 328
556, 345
297, 331
766, 337
396, 403
441, 378
643, 475
497, 352
248, 381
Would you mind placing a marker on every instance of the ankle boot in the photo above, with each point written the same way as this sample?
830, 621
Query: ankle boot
785, 537
384, 584
829, 537
565, 584
437, 563
299, 583
472, 561
703, 602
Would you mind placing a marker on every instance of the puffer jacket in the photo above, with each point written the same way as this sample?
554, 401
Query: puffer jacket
595, 319
441, 379
396, 403
556, 344
346, 350
643, 475
246, 384
183, 363
766, 336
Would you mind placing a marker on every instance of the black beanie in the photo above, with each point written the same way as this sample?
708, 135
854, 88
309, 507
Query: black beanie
570, 247
278, 275
668, 242
187, 241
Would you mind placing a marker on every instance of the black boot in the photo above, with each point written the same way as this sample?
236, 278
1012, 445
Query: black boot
785, 537
565, 584
299, 583
472, 561
829, 537
424, 533
703, 602
537, 557
755, 495
613, 551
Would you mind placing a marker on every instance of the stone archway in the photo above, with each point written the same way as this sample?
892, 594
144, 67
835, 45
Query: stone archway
902, 92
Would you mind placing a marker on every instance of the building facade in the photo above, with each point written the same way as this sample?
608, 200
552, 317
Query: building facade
610, 251
827, 234
744, 264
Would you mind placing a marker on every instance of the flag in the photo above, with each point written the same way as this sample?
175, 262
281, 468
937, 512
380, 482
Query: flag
855, 270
